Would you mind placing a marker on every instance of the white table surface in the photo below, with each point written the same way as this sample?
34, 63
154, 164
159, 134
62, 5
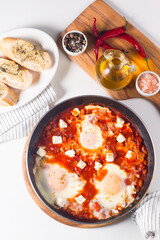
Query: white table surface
20, 217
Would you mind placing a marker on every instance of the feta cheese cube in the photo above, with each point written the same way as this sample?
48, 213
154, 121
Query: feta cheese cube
56, 139
123, 205
109, 157
70, 153
131, 190
115, 211
62, 124
41, 152
75, 112
38, 159
120, 122
81, 164
120, 138
129, 154
80, 199
98, 166
60, 201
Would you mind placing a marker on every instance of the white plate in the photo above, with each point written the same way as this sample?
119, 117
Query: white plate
40, 80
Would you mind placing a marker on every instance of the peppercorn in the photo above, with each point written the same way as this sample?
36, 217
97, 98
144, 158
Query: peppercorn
74, 42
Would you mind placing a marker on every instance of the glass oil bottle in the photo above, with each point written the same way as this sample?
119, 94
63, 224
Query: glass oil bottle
114, 70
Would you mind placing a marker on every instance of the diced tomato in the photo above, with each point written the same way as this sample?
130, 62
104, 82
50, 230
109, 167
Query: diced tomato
77, 170
101, 174
127, 181
96, 206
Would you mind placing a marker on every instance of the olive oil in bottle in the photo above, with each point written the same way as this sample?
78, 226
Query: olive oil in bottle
114, 70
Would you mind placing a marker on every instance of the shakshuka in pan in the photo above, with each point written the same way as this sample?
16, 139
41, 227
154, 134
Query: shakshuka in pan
91, 162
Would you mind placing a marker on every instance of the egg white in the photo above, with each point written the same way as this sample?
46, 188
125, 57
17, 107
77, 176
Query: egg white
110, 201
89, 130
42, 175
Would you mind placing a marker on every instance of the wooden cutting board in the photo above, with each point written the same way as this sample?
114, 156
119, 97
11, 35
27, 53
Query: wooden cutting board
107, 18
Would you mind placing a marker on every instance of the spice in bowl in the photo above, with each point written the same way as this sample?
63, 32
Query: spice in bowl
148, 83
74, 43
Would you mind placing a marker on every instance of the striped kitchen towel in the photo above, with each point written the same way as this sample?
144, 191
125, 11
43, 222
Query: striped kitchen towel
19, 122
147, 216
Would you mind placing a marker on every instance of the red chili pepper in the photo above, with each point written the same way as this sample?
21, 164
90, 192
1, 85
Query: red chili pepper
135, 44
95, 32
96, 35
109, 34
105, 46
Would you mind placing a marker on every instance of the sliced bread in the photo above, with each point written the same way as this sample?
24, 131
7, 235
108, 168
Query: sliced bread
8, 97
13, 75
25, 54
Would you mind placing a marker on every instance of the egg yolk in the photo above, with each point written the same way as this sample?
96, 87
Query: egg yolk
88, 139
58, 180
112, 184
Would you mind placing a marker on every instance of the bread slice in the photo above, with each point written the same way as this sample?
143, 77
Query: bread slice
25, 54
12, 74
8, 97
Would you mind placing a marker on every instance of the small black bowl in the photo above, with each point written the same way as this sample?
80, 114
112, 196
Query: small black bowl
31, 152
